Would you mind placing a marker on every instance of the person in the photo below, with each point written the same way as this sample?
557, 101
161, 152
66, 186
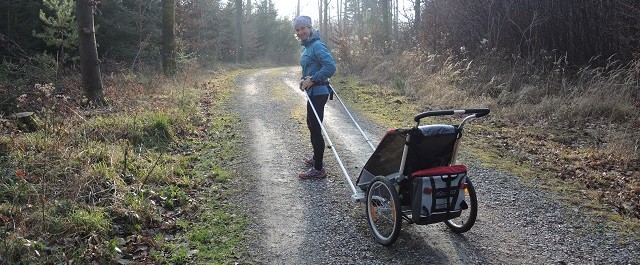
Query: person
317, 67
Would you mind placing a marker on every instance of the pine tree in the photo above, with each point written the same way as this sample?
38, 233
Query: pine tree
60, 28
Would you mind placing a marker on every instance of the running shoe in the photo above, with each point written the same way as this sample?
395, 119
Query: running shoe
313, 173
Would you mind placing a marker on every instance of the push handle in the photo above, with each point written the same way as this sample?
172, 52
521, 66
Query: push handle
479, 113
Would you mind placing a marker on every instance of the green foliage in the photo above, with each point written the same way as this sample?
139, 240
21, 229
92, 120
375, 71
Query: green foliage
40, 67
129, 35
226, 232
16, 77
139, 210
150, 129
201, 235
60, 30
269, 37
14, 249
15, 191
89, 221
179, 255
398, 82
160, 128
207, 30
91, 181
129, 31
173, 197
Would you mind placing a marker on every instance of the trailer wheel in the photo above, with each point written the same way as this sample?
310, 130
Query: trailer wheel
468, 217
383, 211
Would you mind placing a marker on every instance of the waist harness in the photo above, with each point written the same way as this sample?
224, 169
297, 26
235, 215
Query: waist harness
322, 83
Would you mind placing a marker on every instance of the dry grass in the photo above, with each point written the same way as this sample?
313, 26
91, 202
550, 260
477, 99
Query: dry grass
579, 125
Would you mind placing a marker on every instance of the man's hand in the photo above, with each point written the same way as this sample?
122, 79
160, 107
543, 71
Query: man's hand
306, 83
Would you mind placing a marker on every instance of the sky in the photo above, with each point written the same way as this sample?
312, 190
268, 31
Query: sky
287, 8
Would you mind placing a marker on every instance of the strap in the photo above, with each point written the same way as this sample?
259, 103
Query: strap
320, 83
323, 83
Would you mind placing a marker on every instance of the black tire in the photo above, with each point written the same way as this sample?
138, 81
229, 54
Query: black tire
383, 211
468, 217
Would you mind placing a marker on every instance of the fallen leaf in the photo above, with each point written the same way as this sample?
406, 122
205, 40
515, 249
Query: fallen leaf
20, 173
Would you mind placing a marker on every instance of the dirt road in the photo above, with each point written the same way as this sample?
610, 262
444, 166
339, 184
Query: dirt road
314, 222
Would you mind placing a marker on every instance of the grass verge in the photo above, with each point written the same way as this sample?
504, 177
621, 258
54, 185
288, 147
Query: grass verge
144, 180
567, 161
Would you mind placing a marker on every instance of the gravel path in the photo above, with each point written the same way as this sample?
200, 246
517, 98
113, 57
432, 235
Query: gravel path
314, 222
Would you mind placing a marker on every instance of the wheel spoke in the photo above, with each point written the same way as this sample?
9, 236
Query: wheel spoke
382, 212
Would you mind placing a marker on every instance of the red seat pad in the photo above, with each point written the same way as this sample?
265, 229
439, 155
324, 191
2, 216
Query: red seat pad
439, 171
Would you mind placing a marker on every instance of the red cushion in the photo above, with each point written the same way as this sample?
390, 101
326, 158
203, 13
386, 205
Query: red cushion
439, 171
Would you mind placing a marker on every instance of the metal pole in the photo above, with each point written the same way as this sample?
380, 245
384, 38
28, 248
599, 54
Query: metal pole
354, 121
353, 188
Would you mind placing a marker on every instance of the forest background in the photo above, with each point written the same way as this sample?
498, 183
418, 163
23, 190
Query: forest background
559, 76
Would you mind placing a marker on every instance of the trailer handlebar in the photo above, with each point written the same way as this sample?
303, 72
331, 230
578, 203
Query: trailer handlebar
478, 112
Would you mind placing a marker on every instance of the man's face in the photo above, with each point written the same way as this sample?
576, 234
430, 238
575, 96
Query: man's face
303, 32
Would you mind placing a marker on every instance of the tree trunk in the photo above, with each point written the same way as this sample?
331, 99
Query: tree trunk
168, 37
325, 21
416, 10
339, 14
320, 5
298, 9
344, 14
239, 39
396, 21
89, 65
386, 23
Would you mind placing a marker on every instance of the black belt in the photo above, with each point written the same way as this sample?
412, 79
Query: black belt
323, 83
320, 83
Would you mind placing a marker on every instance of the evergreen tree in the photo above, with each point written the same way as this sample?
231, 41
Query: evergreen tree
130, 31
59, 31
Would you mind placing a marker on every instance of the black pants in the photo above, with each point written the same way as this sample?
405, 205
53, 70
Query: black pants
317, 141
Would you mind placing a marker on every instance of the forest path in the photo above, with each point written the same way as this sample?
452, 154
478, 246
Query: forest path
314, 222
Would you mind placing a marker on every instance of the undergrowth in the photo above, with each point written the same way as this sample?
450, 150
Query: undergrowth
575, 128
137, 181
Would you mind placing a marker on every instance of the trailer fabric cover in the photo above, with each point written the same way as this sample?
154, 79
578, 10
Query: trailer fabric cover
430, 146
385, 160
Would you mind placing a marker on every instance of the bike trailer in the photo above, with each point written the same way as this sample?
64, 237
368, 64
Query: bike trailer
412, 175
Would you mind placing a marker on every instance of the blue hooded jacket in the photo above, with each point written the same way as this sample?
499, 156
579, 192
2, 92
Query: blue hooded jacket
317, 62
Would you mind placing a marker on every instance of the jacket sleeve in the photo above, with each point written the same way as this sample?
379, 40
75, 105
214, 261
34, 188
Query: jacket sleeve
328, 65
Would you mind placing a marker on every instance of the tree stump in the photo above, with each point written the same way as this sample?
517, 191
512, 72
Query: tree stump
25, 121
